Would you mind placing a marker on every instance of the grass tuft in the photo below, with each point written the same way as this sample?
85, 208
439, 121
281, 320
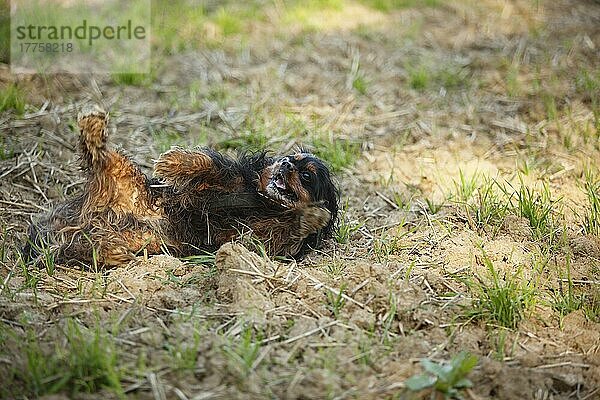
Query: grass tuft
591, 219
338, 153
12, 98
491, 205
131, 79
537, 208
465, 187
87, 363
501, 301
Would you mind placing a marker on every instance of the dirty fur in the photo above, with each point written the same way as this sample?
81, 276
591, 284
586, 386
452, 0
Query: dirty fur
197, 200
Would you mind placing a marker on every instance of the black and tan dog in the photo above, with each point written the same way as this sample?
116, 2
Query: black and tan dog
197, 200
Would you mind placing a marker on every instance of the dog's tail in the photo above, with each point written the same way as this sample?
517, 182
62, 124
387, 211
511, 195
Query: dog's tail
93, 136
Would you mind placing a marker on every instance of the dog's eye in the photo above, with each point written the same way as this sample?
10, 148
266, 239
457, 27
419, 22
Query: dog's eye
305, 176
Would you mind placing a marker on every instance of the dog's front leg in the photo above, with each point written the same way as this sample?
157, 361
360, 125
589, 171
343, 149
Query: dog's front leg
289, 233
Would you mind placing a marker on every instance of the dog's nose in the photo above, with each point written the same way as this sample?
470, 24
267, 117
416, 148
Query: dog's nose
287, 166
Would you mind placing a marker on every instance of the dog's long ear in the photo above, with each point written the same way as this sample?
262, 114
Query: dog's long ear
93, 135
332, 198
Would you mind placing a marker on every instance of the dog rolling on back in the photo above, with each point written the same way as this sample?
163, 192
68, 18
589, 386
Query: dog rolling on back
197, 200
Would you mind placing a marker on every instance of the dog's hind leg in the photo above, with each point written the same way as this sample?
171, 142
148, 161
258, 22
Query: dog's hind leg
117, 200
114, 183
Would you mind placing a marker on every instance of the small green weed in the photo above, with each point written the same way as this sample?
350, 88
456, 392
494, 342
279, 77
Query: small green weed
513, 87
418, 77
6, 150
360, 84
390, 5
244, 353
389, 317
228, 23
253, 138
335, 268
445, 378
402, 201
346, 227
385, 246
336, 301
434, 207
591, 305
164, 139
184, 355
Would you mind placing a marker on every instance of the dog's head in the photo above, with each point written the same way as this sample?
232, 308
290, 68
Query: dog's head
301, 179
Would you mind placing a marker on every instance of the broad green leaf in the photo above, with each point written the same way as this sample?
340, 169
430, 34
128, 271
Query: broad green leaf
420, 382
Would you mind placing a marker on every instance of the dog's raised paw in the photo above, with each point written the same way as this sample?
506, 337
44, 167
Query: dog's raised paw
178, 166
313, 218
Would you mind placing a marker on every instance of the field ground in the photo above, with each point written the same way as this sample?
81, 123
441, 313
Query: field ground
465, 136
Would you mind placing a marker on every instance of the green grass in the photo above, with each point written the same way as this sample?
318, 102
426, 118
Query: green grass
537, 208
513, 88
301, 12
184, 355
434, 207
12, 98
131, 79
228, 24
166, 138
591, 305
445, 74
243, 352
346, 227
465, 187
500, 300
360, 84
248, 140
387, 245
254, 135
564, 301
86, 364
6, 150
336, 301
490, 207
419, 78
587, 83
389, 317
338, 153
591, 219
180, 25
5, 32
390, 5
